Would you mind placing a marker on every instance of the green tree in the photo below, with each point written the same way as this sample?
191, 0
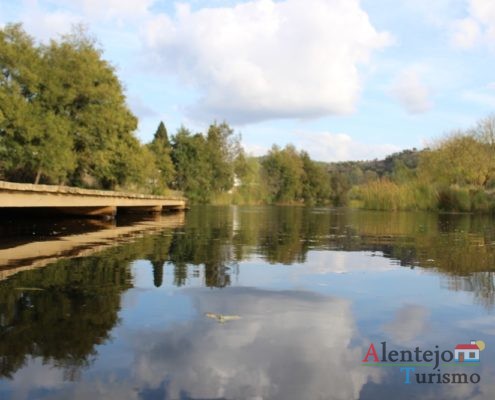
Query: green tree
162, 150
63, 114
283, 171
340, 186
316, 182
192, 165
460, 159
83, 87
251, 188
34, 140
402, 173
222, 148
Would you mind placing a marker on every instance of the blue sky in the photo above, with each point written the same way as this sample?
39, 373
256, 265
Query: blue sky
342, 79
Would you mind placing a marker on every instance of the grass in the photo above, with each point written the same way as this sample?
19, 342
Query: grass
384, 194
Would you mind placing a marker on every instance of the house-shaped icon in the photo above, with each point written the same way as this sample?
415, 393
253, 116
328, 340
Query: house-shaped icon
467, 352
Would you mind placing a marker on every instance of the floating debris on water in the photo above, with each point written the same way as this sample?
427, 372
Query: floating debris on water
222, 318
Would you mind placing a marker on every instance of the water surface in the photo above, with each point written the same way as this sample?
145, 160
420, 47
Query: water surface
128, 312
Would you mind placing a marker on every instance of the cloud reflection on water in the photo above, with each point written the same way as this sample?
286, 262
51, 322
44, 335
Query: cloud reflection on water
287, 345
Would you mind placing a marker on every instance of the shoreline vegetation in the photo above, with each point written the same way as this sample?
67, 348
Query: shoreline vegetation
64, 120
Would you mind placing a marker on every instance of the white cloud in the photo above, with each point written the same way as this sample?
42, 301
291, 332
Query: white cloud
45, 25
478, 27
483, 11
49, 18
409, 323
344, 262
466, 33
483, 324
327, 146
255, 150
263, 59
411, 92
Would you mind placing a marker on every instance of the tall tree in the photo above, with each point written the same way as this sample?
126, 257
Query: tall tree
82, 86
161, 134
222, 148
460, 159
283, 172
315, 181
162, 150
34, 140
194, 171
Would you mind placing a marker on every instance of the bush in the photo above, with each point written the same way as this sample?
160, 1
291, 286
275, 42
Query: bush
454, 198
481, 201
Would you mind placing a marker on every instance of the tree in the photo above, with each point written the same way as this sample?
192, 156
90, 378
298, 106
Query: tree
283, 171
222, 148
63, 115
315, 181
460, 159
162, 149
84, 87
191, 161
402, 173
251, 188
485, 131
34, 140
340, 187
161, 134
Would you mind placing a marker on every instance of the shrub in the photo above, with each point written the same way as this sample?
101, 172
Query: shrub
454, 198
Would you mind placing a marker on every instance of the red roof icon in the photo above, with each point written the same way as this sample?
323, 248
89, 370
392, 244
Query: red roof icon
467, 347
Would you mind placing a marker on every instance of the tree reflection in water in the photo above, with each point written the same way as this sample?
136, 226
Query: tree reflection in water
62, 312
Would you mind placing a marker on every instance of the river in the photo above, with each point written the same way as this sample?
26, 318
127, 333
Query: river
249, 303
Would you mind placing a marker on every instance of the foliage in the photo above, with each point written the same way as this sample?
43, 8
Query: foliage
316, 183
457, 173
359, 172
63, 115
84, 88
222, 147
34, 138
385, 194
191, 163
340, 186
250, 188
163, 173
459, 159
454, 198
283, 171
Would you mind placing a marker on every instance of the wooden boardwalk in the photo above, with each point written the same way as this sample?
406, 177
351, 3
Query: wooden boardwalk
50, 199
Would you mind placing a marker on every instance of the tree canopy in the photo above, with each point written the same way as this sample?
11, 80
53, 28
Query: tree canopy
63, 114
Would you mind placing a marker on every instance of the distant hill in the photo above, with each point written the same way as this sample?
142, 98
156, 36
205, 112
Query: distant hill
375, 168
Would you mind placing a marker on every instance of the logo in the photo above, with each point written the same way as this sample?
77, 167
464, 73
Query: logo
464, 355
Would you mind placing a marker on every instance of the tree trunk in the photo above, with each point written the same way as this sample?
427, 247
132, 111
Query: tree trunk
38, 176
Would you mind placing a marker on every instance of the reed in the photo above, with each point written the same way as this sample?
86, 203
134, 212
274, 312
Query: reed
384, 194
